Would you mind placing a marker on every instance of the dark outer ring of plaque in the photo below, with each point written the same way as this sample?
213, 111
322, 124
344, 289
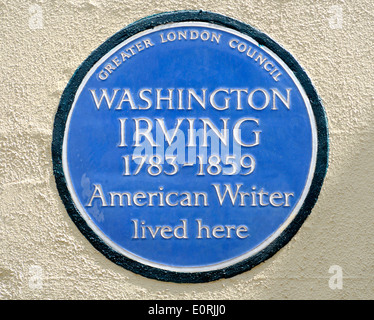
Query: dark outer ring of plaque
187, 277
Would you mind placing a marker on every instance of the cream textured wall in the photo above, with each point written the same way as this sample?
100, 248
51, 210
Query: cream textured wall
44, 256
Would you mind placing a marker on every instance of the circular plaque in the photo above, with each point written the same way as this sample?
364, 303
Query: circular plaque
189, 147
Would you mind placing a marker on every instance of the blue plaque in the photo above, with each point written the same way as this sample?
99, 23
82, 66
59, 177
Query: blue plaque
189, 147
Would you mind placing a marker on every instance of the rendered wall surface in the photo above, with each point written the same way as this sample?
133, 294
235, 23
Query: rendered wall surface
43, 254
